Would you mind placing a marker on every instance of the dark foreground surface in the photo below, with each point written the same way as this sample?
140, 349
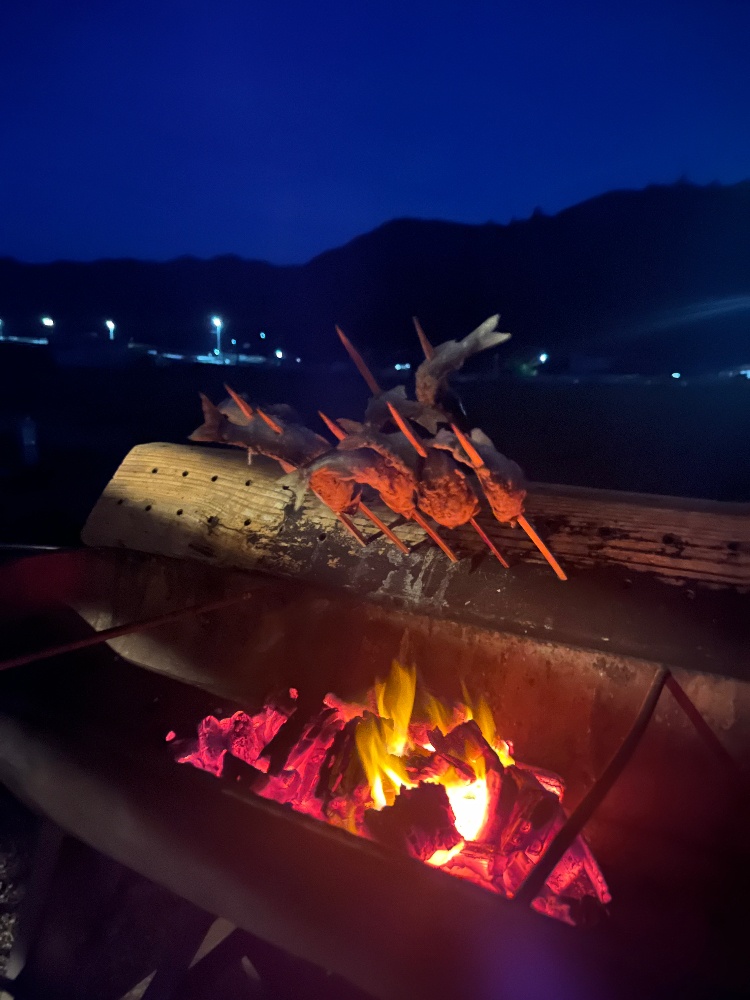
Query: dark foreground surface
675, 439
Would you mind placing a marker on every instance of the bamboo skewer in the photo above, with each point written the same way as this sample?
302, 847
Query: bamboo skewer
244, 407
408, 433
477, 461
416, 516
359, 361
269, 420
426, 526
117, 631
427, 348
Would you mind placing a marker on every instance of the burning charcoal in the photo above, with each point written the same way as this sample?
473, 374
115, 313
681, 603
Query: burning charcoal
420, 822
336, 767
210, 746
245, 736
547, 779
248, 736
466, 743
529, 822
577, 874
298, 782
473, 863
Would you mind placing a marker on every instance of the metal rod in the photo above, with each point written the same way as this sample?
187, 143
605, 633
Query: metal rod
575, 823
119, 630
703, 729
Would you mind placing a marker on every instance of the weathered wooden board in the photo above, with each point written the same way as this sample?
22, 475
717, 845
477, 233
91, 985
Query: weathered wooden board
206, 503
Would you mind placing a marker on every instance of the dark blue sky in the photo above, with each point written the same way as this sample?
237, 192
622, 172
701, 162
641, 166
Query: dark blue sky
279, 129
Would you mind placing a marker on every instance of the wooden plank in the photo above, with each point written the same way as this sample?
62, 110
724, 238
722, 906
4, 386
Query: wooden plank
206, 503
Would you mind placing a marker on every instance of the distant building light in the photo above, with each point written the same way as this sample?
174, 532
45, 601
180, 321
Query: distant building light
217, 322
111, 327
403, 368
234, 343
217, 351
745, 372
675, 374
46, 321
262, 335
299, 362
279, 353
543, 357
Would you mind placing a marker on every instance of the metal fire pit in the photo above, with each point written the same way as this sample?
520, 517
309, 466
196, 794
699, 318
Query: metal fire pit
565, 668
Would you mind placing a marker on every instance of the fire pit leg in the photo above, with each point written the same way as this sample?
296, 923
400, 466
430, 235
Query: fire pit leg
44, 860
186, 939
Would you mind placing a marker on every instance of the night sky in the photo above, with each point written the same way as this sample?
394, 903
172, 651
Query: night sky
277, 130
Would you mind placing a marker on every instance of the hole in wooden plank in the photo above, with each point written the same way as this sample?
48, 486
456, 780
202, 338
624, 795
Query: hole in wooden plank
185, 473
247, 521
153, 471
733, 546
214, 478
179, 512
247, 482
147, 507
120, 502
322, 537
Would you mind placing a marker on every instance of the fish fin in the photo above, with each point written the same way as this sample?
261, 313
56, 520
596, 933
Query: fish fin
296, 483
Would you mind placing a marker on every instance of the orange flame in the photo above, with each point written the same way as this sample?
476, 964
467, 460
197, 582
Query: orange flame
388, 736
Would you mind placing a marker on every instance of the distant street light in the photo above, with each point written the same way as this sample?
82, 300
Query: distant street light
543, 357
111, 327
46, 321
262, 335
279, 353
218, 326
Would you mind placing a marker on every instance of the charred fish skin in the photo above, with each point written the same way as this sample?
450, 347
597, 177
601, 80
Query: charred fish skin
450, 356
502, 479
387, 474
444, 492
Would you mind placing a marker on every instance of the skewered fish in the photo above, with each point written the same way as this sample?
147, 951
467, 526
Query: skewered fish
502, 480
226, 424
449, 356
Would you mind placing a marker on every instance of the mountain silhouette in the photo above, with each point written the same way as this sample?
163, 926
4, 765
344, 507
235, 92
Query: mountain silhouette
648, 279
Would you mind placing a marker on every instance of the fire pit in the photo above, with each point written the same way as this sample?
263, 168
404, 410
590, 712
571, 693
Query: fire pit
563, 669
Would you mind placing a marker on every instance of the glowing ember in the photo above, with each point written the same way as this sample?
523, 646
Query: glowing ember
419, 776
